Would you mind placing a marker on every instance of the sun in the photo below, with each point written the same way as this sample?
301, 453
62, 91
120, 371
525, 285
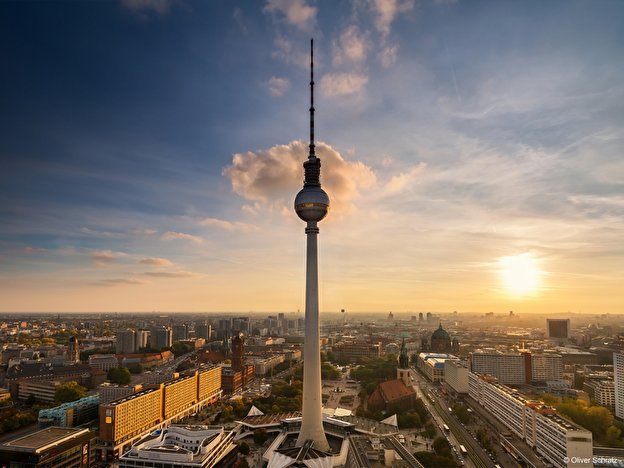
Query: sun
520, 274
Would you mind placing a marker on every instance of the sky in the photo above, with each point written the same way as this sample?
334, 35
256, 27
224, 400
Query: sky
150, 152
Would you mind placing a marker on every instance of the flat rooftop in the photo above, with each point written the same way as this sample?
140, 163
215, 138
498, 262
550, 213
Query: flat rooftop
38, 441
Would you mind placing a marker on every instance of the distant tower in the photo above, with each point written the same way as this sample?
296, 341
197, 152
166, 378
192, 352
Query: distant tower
311, 205
403, 372
73, 350
238, 349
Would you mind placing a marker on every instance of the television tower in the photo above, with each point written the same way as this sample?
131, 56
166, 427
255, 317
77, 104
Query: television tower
311, 205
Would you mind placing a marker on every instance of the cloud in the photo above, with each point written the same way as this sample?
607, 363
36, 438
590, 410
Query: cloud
351, 46
120, 282
337, 84
228, 225
295, 12
30, 250
404, 180
386, 10
388, 55
156, 261
273, 176
289, 53
144, 232
172, 235
237, 14
171, 274
105, 257
277, 86
147, 6
97, 233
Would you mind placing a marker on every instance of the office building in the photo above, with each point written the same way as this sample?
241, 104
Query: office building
183, 447
73, 349
161, 337
126, 341
52, 447
560, 441
545, 367
179, 332
433, 365
618, 384
71, 414
558, 329
110, 392
508, 368
103, 361
40, 390
203, 330
124, 421
351, 351
456, 376
142, 339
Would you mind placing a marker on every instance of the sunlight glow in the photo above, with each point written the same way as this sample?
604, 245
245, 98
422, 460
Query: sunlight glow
520, 274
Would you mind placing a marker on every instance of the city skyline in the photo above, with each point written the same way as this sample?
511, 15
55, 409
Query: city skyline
153, 149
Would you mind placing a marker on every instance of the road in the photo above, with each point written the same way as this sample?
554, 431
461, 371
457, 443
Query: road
477, 457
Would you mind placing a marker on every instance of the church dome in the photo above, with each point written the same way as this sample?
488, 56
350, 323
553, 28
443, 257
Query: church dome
440, 334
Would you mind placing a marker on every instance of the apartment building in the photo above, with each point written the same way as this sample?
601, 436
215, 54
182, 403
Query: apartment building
456, 375
124, 421
618, 381
545, 367
561, 442
508, 368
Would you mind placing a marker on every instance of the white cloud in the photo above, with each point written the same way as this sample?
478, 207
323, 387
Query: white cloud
228, 225
156, 261
104, 257
352, 46
288, 53
295, 12
277, 86
388, 55
144, 232
172, 235
337, 84
171, 274
142, 6
404, 180
386, 10
273, 176
121, 282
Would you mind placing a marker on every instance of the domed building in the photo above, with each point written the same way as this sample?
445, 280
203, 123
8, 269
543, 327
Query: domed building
440, 341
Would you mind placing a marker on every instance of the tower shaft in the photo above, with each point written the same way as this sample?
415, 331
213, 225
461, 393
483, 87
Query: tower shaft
312, 420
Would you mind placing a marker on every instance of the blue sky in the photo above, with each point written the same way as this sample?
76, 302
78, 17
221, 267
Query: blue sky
151, 149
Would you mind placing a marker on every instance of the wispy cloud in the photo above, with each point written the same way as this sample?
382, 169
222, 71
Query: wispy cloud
156, 261
105, 257
144, 232
173, 235
351, 46
277, 86
30, 250
171, 274
338, 84
385, 12
388, 55
228, 225
294, 12
121, 282
404, 180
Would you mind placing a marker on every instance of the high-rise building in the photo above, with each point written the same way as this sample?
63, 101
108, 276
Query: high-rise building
546, 367
558, 329
73, 349
161, 338
142, 339
126, 341
311, 205
508, 368
203, 330
179, 332
618, 381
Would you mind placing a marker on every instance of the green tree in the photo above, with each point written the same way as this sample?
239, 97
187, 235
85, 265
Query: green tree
119, 375
243, 448
135, 368
260, 436
442, 447
430, 430
69, 391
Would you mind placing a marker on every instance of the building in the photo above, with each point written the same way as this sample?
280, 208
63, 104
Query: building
183, 447
618, 384
179, 332
40, 390
161, 337
103, 361
432, 365
263, 365
563, 443
456, 376
602, 391
126, 341
392, 396
558, 329
110, 392
124, 421
508, 368
71, 414
544, 367
142, 339
203, 330
52, 447
73, 350
351, 351
440, 341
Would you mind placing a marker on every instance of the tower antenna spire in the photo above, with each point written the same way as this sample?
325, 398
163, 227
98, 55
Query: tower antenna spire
312, 155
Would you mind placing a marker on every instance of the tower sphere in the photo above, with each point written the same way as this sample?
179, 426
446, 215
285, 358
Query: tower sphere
311, 204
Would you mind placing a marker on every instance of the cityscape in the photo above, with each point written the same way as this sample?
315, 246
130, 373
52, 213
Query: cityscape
306, 233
